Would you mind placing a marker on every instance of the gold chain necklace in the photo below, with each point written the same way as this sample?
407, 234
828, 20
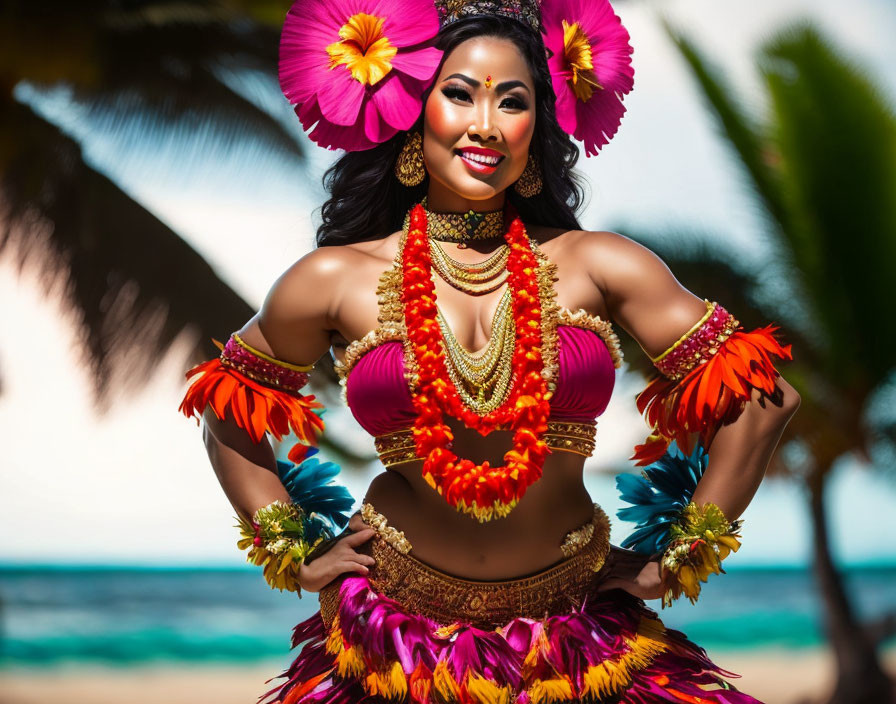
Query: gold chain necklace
483, 381
474, 271
476, 279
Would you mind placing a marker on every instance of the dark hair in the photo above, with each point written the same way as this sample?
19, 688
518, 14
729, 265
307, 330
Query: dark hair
367, 202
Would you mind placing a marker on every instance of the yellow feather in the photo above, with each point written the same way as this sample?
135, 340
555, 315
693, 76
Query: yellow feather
445, 684
485, 691
547, 691
350, 662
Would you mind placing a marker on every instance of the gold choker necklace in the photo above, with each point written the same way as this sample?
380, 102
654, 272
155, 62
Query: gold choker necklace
463, 227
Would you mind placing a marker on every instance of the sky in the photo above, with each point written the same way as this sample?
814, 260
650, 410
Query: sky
134, 486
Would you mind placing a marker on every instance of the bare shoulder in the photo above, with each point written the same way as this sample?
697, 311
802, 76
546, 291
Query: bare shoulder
324, 270
382, 249
308, 281
613, 261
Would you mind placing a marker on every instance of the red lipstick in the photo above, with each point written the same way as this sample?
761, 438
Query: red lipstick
480, 159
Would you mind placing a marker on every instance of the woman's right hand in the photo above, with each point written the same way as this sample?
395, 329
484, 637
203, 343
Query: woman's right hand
341, 558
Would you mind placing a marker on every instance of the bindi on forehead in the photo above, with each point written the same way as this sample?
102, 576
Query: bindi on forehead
501, 87
477, 59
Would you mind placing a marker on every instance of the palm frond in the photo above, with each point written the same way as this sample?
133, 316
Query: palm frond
836, 135
133, 285
148, 79
736, 126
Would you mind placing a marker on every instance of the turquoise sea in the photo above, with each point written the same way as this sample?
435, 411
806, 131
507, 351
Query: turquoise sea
125, 616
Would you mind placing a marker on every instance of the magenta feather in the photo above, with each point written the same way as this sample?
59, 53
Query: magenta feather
566, 646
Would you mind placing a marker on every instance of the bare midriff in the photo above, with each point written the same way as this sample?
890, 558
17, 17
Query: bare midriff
525, 541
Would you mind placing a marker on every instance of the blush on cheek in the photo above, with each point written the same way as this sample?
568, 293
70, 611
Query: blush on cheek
443, 121
436, 120
518, 132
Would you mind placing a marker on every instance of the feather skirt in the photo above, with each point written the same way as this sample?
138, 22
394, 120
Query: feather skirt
606, 647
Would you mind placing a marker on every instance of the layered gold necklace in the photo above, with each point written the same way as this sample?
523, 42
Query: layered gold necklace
475, 279
482, 381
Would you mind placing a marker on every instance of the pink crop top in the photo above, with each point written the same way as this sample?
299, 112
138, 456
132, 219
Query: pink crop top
378, 396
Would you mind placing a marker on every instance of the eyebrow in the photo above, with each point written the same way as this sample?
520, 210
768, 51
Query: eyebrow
500, 87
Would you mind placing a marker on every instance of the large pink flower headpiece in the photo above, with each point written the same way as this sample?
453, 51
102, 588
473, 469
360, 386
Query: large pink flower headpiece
356, 70
591, 67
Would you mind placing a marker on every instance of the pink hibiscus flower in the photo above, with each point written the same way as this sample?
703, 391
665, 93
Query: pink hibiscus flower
356, 70
590, 68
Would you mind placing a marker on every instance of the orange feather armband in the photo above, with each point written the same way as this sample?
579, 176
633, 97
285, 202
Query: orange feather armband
706, 379
259, 392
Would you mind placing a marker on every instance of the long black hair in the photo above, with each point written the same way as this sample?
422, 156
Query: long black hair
367, 202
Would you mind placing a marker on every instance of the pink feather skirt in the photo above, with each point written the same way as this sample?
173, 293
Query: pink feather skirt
407, 632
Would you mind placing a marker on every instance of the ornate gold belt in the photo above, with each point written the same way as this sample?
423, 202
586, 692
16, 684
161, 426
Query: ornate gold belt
448, 599
578, 437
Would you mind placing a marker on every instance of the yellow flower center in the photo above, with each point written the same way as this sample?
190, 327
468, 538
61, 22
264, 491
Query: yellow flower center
577, 55
363, 49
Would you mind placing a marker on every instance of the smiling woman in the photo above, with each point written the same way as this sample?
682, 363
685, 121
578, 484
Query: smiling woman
470, 318
465, 119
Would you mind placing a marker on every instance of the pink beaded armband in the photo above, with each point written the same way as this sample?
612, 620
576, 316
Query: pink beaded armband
255, 364
259, 392
698, 344
706, 379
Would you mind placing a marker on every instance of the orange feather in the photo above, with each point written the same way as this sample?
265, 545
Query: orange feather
714, 393
253, 406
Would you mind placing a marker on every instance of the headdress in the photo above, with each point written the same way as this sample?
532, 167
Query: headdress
356, 70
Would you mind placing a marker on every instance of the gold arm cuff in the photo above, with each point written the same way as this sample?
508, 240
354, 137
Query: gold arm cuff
273, 360
710, 306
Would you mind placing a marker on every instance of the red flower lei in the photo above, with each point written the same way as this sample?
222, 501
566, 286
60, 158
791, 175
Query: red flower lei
480, 490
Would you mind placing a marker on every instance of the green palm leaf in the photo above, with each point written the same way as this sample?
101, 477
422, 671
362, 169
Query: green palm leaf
132, 283
837, 139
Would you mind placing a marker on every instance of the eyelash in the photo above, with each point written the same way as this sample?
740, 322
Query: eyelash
460, 93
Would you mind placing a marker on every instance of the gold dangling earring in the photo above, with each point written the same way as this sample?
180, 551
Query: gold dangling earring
409, 168
529, 183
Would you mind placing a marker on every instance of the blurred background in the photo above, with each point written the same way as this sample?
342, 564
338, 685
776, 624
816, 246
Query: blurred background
153, 185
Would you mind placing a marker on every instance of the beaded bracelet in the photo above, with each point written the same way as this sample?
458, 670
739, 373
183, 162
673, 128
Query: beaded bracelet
275, 537
690, 540
698, 543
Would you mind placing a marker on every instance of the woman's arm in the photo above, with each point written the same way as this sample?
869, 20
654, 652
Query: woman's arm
292, 326
644, 298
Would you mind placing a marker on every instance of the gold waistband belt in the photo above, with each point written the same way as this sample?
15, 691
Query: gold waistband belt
578, 437
448, 599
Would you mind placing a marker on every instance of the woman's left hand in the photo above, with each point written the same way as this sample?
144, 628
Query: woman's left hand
648, 584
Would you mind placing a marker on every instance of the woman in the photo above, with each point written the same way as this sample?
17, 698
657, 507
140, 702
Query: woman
471, 334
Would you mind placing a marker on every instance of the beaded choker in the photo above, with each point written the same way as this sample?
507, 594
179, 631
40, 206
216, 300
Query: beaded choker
462, 227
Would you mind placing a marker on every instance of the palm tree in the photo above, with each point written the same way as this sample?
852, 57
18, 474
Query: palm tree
156, 73
150, 72
823, 167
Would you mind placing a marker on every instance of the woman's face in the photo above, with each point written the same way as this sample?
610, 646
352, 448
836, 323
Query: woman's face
478, 121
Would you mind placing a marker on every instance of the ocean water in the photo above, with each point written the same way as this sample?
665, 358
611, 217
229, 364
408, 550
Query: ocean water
51, 616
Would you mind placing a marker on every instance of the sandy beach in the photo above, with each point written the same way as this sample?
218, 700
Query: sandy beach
774, 677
